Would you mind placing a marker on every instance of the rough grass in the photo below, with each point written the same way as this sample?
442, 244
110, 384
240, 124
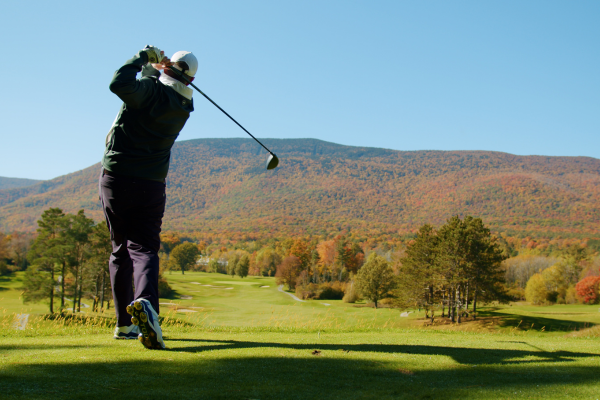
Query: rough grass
257, 343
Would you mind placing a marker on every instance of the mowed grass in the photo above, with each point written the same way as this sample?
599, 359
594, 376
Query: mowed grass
279, 364
219, 300
258, 343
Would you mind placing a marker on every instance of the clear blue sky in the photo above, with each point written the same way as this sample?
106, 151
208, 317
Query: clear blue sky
515, 76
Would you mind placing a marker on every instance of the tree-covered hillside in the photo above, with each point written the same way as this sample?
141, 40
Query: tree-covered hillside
222, 186
10, 183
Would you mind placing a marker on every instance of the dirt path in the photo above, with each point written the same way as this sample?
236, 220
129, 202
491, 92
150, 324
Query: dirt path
280, 288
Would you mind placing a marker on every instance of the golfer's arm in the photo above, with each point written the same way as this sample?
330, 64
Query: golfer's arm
149, 70
135, 93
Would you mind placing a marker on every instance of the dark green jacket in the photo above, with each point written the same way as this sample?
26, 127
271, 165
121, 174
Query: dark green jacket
151, 117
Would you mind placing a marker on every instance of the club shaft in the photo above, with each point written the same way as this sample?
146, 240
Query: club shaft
216, 105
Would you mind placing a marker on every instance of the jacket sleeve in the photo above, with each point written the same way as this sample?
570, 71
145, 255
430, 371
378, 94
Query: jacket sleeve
149, 70
135, 93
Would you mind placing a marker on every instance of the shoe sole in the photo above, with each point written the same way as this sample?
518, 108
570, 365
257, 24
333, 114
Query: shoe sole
125, 337
147, 335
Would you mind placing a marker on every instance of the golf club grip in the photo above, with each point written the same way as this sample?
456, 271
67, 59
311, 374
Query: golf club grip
216, 105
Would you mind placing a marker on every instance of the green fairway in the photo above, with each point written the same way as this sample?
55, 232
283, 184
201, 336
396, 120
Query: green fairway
253, 364
235, 338
219, 300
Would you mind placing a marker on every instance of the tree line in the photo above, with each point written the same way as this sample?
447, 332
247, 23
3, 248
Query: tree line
450, 269
68, 260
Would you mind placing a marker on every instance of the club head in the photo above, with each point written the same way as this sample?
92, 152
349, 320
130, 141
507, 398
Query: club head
272, 161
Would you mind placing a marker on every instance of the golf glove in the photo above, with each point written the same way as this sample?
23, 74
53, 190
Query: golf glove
154, 56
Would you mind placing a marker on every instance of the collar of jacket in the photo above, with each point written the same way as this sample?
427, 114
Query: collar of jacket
177, 86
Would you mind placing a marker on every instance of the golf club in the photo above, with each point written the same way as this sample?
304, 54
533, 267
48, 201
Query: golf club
272, 160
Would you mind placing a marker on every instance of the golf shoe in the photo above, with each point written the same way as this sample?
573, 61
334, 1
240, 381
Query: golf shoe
126, 332
144, 316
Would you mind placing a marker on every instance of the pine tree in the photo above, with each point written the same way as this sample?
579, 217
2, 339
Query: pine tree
486, 276
77, 236
420, 279
453, 261
48, 252
101, 248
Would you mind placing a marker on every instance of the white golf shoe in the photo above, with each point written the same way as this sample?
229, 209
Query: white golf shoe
143, 315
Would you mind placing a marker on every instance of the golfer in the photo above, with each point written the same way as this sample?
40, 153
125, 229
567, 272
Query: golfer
132, 183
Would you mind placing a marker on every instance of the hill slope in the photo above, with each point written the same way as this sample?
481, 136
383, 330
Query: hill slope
221, 185
10, 183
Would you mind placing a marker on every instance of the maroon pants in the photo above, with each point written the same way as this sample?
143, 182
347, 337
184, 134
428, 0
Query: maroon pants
133, 209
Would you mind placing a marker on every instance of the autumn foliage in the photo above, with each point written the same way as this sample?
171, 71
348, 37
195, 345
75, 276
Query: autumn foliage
219, 187
587, 289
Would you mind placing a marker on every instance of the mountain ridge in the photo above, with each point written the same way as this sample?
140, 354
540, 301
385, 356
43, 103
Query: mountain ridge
222, 186
11, 183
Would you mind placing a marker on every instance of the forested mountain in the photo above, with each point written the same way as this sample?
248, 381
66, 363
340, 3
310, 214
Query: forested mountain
221, 186
10, 183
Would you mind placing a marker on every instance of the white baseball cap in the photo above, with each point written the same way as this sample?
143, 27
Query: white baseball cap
188, 58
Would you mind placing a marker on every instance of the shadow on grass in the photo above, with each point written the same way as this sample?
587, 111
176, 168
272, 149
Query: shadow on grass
173, 295
537, 323
8, 278
21, 346
462, 355
271, 376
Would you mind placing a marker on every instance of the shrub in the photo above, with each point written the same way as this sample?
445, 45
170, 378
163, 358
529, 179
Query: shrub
552, 296
516, 293
306, 292
388, 301
213, 265
323, 291
3, 268
164, 289
587, 289
331, 291
571, 296
535, 291
351, 295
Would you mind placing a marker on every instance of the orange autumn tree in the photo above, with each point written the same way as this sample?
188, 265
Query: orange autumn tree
168, 241
587, 289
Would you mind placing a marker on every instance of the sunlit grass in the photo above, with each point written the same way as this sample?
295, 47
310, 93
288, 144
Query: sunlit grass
258, 343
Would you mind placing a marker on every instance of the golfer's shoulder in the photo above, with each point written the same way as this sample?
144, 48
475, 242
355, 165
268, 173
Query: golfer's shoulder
150, 79
186, 104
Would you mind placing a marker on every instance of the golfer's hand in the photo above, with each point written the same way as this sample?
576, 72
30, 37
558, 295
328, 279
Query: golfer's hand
155, 55
163, 64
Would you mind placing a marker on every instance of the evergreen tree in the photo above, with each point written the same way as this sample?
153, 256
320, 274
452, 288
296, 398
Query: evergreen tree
49, 250
77, 236
101, 248
420, 279
486, 276
453, 261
